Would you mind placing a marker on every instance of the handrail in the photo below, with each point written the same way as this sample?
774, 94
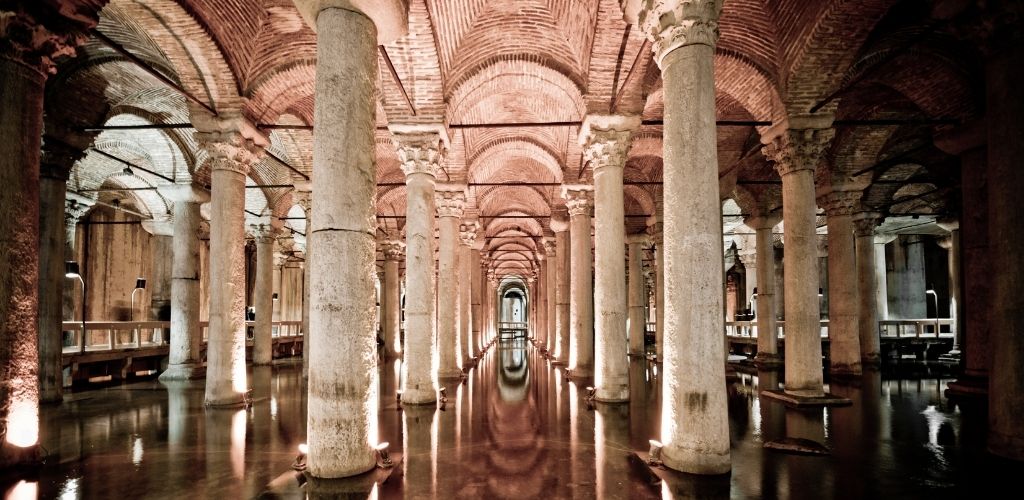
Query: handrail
748, 329
111, 335
904, 328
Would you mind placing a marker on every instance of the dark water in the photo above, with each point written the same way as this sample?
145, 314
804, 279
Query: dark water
517, 429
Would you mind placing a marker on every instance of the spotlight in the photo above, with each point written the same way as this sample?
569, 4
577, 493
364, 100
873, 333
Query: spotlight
591, 393
71, 270
442, 395
382, 452
655, 452
300, 460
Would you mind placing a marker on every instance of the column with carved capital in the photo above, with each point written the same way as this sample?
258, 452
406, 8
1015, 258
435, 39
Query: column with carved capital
450, 200
550, 293
263, 295
305, 200
476, 298
695, 436
540, 327
420, 151
843, 299
391, 299
606, 141
464, 277
581, 288
867, 288
231, 151
656, 231
795, 153
184, 361
637, 323
560, 226
767, 329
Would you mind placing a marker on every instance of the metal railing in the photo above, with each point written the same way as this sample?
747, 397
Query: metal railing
115, 335
887, 329
512, 325
748, 329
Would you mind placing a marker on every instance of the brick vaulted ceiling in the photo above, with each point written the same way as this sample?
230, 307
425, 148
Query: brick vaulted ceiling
467, 62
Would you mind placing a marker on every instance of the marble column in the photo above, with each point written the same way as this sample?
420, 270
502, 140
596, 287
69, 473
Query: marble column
420, 150
844, 299
767, 329
695, 429
304, 199
637, 295
606, 141
476, 297
748, 257
232, 147
450, 200
464, 279
908, 297
184, 361
952, 245
538, 299
550, 293
391, 298
560, 227
881, 278
655, 228
581, 291
867, 288
343, 386
263, 296
795, 153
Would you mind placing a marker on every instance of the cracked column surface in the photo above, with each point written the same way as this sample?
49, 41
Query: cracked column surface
581, 290
695, 423
184, 360
391, 299
767, 329
796, 152
560, 349
606, 141
343, 388
450, 201
263, 297
843, 298
420, 151
637, 296
867, 313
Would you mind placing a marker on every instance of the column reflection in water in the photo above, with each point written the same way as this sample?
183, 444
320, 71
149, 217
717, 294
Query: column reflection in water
611, 449
516, 458
225, 449
772, 417
420, 431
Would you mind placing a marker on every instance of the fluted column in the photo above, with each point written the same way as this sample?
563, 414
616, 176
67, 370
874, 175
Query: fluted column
184, 361
560, 349
391, 299
695, 435
450, 200
550, 293
606, 141
464, 278
843, 298
867, 317
795, 153
581, 291
420, 150
232, 147
637, 296
263, 296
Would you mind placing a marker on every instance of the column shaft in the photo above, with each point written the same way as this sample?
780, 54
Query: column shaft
392, 306
581, 301
767, 329
560, 351
844, 299
447, 303
551, 295
464, 277
263, 293
185, 342
52, 185
867, 293
636, 299
476, 294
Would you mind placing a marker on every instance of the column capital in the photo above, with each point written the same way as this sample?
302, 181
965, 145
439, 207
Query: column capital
184, 193
75, 207
393, 250
749, 259
57, 158
577, 198
468, 232
655, 228
559, 221
864, 223
450, 203
421, 148
840, 203
671, 24
159, 227
638, 239
263, 233
232, 144
303, 199
793, 150
390, 17
24, 38
606, 139
949, 224
549, 247
768, 221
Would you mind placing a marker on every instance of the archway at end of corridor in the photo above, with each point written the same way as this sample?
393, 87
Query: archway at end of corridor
513, 308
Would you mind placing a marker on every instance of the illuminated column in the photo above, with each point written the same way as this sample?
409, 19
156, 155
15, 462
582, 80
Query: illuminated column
655, 230
843, 297
184, 360
464, 278
952, 245
305, 200
550, 293
867, 316
795, 152
581, 291
263, 296
391, 300
606, 141
560, 226
231, 147
637, 295
695, 428
343, 386
420, 150
450, 200
767, 329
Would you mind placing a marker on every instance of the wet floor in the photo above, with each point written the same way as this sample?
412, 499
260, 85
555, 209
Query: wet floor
516, 428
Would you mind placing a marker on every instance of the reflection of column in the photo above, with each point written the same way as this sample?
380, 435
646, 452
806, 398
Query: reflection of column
581, 291
420, 449
560, 226
464, 277
611, 438
551, 293
637, 295
867, 287
231, 153
450, 201
420, 150
263, 297
186, 338
843, 302
391, 299
795, 153
767, 331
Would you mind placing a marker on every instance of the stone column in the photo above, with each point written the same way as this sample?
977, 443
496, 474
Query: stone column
551, 293
952, 245
606, 141
909, 300
881, 281
867, 293
391, 298
305, 200
476, 297
748, 257
581, 291
450, 200
464, 279
844, 299
796, 152
184, 360
560, 349
420, 151
343, 388
655, 229
767, 329
231, 147
695, 430
263, 296
159, 284
637, 322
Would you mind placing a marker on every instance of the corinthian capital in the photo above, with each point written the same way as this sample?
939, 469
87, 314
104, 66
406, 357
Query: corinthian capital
837, 203
421, 148
232, 150
393, 250
577, 198
798, 149
467, 232
450, 203
606, 139
26, 39
671, 24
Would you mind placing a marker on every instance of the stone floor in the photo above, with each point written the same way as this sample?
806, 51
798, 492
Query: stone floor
516, 429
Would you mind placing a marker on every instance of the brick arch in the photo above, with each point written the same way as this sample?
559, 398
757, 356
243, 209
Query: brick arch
530, 201
279, 90
180, 141
495, 156
522, 81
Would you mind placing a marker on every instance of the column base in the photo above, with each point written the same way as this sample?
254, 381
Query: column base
450, 374
800, 401
871, 361
187, 371
579, 373
418, 397
697, 462
15, 456
712, 486
620, 395
358, 485
854, 370
235, 401
1006, 445
767, 360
